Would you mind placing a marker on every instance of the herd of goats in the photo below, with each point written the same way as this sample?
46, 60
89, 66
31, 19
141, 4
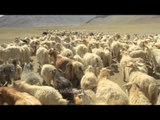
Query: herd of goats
62, 67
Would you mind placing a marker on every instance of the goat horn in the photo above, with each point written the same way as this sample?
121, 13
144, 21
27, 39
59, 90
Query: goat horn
5, 84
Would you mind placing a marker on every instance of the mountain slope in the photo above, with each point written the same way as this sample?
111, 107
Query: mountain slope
42, 20
56, 20
125, 19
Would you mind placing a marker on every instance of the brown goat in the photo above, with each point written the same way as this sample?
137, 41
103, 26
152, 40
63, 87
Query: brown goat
71, 70
59, 63
13, 97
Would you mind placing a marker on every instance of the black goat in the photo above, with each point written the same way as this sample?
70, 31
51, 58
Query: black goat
63, 85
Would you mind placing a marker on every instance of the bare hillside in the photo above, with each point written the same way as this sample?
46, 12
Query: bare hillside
125, 19
42, 20
58, 20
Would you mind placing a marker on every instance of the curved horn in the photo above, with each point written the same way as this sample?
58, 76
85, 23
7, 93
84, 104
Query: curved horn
5, 84
140, 64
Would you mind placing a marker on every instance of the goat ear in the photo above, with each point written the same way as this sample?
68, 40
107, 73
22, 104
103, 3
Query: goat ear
57, 52
130, 64
109, 68
84, 68
50, 50
54, 71
22, 65
60, 70
31, 65
137, 85
81, 93
127, 86
13, 83
98, 68
69, 66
